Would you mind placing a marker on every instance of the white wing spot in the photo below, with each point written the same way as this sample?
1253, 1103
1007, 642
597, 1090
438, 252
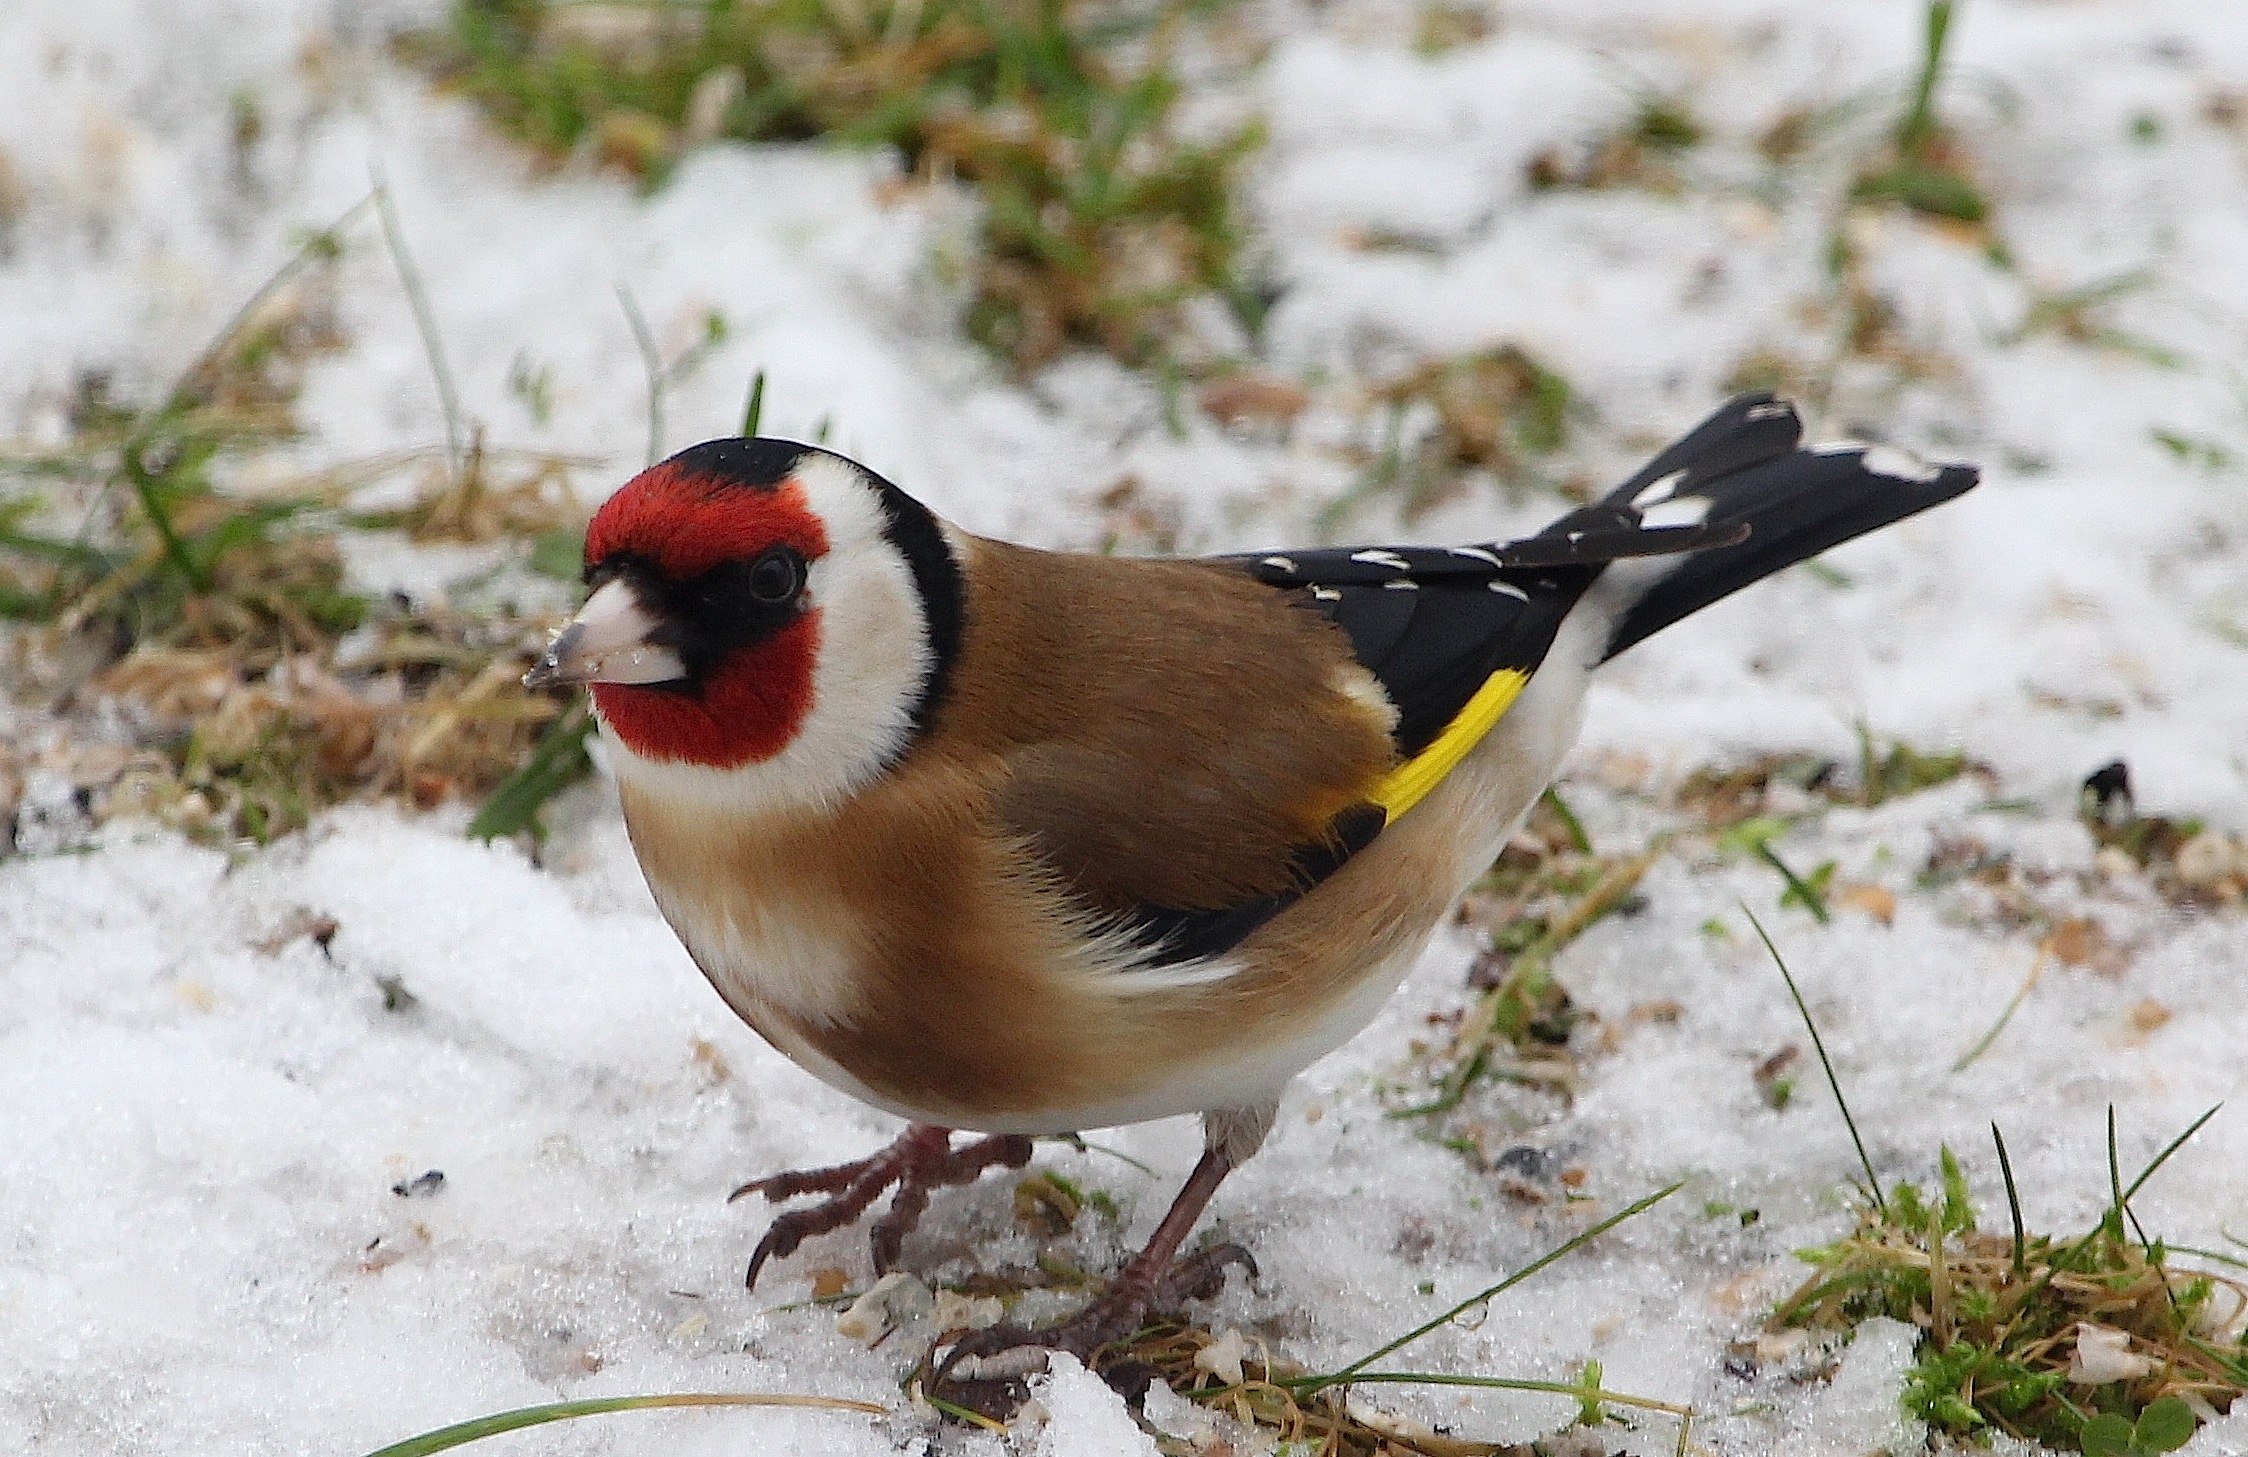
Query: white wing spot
1508, 589
1374, 556
1406, 585
1475, 553
1281, 563
1326, 594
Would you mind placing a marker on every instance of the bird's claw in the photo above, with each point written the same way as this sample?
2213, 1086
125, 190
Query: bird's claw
920, 1159
987, 1371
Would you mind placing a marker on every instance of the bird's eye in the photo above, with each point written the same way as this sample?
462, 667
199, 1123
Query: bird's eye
776, 576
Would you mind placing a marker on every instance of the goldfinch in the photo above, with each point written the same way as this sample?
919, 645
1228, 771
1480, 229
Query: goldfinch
1026, 842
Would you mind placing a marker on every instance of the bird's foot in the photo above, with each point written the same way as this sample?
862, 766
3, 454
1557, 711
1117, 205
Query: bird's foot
988, 1371
919, 1160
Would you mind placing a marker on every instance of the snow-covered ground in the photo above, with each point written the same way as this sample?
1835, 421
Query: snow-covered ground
202, 1115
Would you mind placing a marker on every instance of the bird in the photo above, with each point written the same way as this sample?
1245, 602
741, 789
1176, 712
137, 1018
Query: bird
1011, 842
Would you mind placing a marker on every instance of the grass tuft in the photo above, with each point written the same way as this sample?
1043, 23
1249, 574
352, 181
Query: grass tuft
1501, 412
2097, 1344
1923, 168
1103, 223
1645, 152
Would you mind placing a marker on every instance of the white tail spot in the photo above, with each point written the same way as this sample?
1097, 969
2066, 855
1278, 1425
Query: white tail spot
1899, 465
1683, 511
1658, 490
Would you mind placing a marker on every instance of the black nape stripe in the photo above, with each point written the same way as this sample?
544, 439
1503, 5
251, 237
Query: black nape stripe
936, 577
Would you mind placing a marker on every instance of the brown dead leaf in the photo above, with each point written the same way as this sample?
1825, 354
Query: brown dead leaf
1253, 397
298, 925
1876, 901
2080, 941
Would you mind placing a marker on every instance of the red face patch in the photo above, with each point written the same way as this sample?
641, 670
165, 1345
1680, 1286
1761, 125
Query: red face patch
687, 523
749, 709
749, 706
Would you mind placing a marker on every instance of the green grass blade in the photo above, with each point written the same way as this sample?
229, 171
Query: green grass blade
1578, 839
1919, 122
460, 1434
2013, 1202
557, 761
1983, 1043
1350, 1373
2172, 1147
1799, 889
754, 412
1818, 1043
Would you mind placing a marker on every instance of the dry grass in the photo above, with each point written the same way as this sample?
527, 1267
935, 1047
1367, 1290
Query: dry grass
1499, 412
189, 631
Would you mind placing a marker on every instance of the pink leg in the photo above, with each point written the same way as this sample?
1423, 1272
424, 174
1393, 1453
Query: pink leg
1150, 1280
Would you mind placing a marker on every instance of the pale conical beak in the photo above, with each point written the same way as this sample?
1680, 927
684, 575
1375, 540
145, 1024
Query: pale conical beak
607, 642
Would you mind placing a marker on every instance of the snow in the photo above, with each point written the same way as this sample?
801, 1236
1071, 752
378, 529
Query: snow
204, 1117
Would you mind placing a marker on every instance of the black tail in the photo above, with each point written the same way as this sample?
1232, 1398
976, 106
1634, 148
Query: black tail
1744, 467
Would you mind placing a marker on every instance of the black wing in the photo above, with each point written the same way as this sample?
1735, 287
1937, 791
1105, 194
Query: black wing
1436, 624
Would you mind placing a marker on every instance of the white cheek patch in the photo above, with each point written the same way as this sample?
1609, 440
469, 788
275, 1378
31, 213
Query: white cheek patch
872, 661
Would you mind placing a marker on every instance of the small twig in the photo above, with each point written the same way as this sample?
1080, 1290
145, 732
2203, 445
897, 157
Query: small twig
651, 362
1498, 1383
300, 258
1472, 1047
425, 321
1983, 1043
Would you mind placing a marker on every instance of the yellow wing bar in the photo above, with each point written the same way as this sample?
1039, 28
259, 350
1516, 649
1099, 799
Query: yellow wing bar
1410, 782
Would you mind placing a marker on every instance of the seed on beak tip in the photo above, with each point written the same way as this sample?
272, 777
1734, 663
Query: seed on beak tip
547, 672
